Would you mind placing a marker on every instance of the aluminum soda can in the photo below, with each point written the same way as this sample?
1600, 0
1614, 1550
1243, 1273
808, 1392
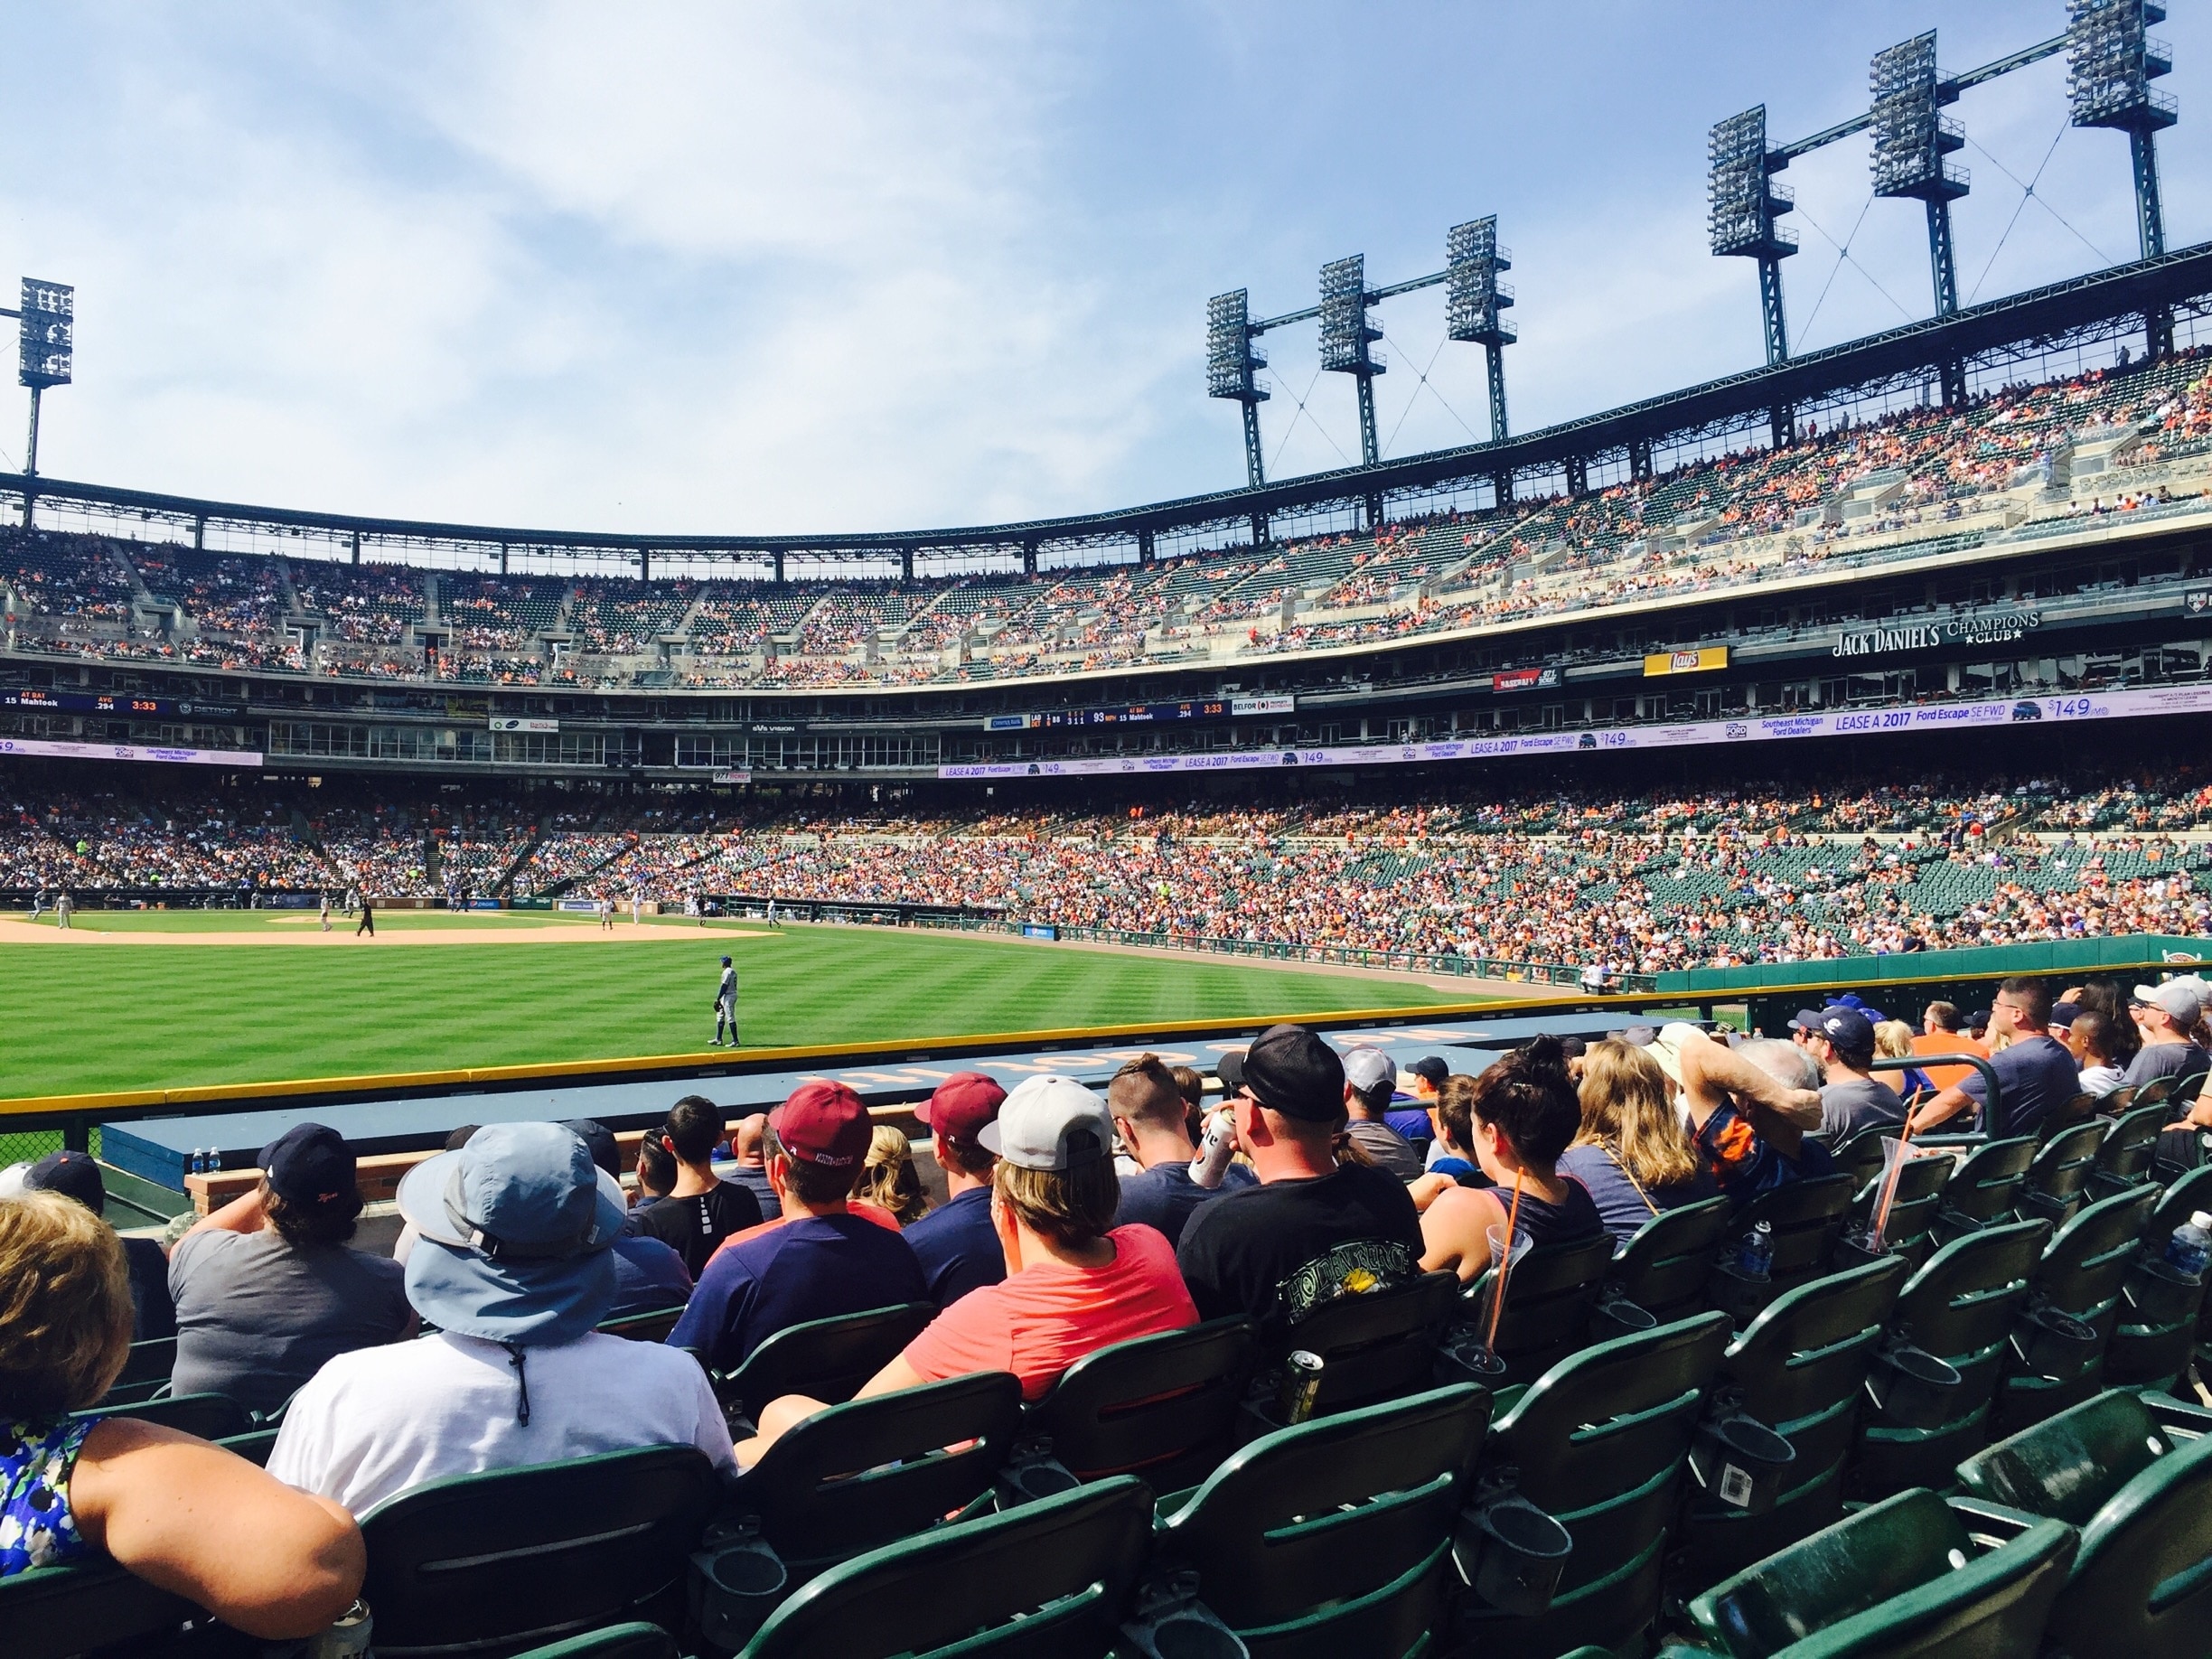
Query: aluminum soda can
348, 1638
1220, 1146
1301, 1387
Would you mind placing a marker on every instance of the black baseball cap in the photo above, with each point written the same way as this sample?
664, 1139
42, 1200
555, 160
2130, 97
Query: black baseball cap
600, 1141
1431, 1067
309, 1164
73, 1174
1288, 1070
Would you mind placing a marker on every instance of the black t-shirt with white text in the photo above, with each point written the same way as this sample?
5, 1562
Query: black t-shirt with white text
692, 1227
1278, 1251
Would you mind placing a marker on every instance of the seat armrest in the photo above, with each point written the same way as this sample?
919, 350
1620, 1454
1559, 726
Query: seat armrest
2178, 1416
1992, 1524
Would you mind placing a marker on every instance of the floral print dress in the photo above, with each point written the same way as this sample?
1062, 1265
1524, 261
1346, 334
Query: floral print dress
36, 1461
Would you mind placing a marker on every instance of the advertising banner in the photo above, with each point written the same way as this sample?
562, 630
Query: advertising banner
1240, 706
129, 752
2132, 703
1526, 679
517, 723
1975, 628
1686, 662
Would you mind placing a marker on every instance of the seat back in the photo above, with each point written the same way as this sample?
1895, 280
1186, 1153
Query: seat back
1047, 1580
1987, 1187
1807, 1353
1548, 1296
146, 1368
56, 1612
1379, 1346
634, 1640
2062, 1170
1806, 1217
1914, 1200
1149, 1404
2069, 1466
1899, 1577
2123, 1156
652, 1326
1322, 1516
823, 1359
863, 1473
2086, 1258
489, 1563
1664, 1266
209, 1416
2181, 1199
1962, 1305
1859, 1154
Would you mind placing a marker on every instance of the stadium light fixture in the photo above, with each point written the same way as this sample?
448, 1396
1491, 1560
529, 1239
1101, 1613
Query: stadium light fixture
1347, 338
1913, 141
46, 355
1742, 202
2111, 59
1473, 297
1233, 366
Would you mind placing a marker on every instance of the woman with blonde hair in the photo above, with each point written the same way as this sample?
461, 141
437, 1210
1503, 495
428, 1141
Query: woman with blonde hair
889, 1177
1633, 1152
1893, 1040
187, 1516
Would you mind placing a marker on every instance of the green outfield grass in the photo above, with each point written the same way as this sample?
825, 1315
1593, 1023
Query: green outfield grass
165, 1016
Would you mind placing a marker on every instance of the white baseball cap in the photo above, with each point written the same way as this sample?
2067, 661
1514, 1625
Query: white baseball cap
1049, 1122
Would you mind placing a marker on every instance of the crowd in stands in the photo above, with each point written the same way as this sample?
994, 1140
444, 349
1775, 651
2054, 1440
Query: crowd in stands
1901, 480
1073, 1221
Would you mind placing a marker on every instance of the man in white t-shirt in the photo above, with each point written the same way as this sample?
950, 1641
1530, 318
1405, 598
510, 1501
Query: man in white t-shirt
514, 1266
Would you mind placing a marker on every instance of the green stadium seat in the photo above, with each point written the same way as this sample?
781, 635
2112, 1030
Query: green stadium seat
1900, 1577
2058, 1179
1548, 1296
253, 1446
2124, 1155
2134, 1471
1806, 1217
1914, 1203
90, 1607
827, 1360
635, 1640
211, 1417
871, 1471
490, 1564
1333, 1537
1984, 1191
1801, 1369
1162, 1406
1049, 1581
652, 1326
1859, 1154
146, 1372
1376, 1346
2080, 1277
1664, 1266
1960, 1310
1599, 1443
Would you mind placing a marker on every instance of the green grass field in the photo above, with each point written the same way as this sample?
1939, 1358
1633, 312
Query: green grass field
117, 1017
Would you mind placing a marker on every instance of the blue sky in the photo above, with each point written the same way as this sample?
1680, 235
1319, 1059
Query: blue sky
820, 266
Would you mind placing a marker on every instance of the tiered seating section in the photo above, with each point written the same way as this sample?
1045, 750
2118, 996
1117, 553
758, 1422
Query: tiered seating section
1893, 488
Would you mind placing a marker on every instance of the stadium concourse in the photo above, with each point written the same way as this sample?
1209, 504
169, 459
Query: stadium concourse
1568, 872
1855, 493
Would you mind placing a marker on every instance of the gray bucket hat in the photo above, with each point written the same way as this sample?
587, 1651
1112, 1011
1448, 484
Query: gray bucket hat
517, 1231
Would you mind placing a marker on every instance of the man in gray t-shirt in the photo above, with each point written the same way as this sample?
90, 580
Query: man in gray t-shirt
1842, 1041
266, 1290
2164, 1014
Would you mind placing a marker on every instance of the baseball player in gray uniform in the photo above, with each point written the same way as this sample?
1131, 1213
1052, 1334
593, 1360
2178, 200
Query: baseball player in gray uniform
725, 1004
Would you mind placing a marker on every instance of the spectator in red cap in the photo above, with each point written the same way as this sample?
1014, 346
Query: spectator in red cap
267, 1290
956, 1243
822, 1260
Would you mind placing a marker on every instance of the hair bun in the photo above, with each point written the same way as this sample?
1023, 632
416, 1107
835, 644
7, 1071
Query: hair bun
1544, 1053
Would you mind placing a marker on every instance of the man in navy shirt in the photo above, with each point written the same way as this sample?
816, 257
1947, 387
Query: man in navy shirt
2035, 1075
821, 1260
1148, 1114
1419, 1084
956, 1243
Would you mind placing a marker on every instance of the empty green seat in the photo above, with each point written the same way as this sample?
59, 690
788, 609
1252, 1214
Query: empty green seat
1599, 1443
2123, 1156
1984, 1191
827, 1360
2058, 1178
1377, 1347
1805, 1219
634, 1640
1961, 1308
2159, 1310
1913, 1199
2134, 1473
2080, 1275
1664, 1266
92, 1606
1334, 1537
1902, 1576
1049, 1581
1162, 1406
1549, 1295
1801, 1370
487, 1564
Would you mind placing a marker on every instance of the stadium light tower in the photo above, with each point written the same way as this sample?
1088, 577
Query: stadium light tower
1473, 297
47, 349
1742, 202
1347, 338
2110, 62
1913, 139
1232, 368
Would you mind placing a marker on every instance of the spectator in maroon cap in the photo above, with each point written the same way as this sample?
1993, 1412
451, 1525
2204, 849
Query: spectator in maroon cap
956, 1242
266, 1288
822, 1260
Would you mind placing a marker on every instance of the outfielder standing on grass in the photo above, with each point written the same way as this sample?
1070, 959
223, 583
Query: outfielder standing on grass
725, 1004
367, 917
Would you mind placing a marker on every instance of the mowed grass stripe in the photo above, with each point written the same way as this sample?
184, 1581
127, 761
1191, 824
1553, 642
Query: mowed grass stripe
127, 1016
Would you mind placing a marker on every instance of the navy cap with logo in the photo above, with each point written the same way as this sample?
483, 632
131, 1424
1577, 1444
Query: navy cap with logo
1290, 1071
309, 1166
1848, 1031
73, 1174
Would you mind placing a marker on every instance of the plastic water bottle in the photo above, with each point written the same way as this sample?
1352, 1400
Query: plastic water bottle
1755, 1257
1213, 1160
198, 1161
214, 1163
2190, 1248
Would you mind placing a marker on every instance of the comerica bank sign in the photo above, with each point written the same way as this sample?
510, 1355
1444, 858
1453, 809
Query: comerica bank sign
1975, 628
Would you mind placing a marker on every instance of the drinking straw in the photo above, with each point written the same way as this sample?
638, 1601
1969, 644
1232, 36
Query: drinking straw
1505, 1261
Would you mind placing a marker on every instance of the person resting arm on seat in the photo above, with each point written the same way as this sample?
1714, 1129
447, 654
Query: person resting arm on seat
187, 1516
